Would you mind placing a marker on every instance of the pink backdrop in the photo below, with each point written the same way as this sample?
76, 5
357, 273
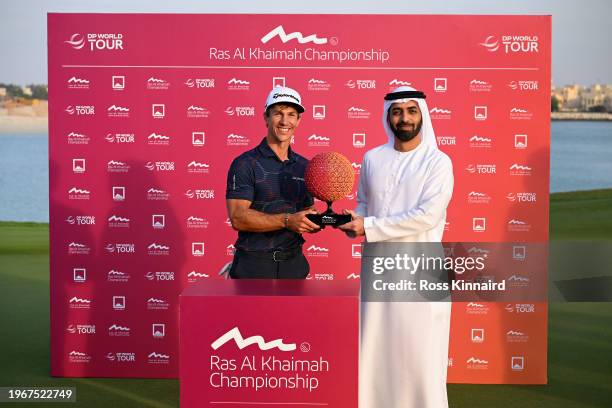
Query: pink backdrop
147, 112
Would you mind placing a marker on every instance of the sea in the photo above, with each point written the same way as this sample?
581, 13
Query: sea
581, 159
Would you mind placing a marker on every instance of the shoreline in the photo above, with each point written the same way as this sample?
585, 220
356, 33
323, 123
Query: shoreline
581, 116
23, 124
19, 124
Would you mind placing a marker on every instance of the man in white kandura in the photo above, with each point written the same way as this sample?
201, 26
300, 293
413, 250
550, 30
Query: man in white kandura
404, 189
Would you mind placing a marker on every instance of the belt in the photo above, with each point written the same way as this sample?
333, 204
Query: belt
276, 256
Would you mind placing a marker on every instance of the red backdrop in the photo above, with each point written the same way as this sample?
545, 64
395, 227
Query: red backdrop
147, 112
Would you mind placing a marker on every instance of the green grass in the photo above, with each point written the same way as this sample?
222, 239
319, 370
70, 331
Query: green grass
583, 215
580, 334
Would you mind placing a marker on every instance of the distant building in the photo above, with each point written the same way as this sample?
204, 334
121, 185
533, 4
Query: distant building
2, 92
575, 98
26, 90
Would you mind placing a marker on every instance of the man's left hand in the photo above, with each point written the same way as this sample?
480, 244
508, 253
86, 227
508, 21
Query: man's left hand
354, 228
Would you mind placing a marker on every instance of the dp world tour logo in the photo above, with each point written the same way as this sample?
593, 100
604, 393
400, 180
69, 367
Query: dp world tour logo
234, 334
512, 43
284, 37
104, 41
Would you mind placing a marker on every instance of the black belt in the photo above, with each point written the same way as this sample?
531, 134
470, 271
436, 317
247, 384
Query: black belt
276, 256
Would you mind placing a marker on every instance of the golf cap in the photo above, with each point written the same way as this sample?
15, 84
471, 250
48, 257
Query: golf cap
282, 94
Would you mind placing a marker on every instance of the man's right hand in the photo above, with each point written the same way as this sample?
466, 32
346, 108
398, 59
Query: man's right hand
298, 222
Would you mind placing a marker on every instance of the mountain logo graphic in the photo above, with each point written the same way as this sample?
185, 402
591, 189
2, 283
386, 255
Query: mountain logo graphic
115, 218
115, 163
75, 80
157, 355
474, 360
79, 300
477, 250
155, 246
284, 37
320, 138
235, 81
435, 109
397, 82
477, 138
115, 108
235, 335
194, 274
516, 166
316, 248
158, 137
198, 164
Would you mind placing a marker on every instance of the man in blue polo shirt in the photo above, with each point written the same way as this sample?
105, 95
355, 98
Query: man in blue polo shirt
267, 200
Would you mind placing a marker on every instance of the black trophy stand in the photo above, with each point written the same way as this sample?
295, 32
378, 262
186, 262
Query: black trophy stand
329, 218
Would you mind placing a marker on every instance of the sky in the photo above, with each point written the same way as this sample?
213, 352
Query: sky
581, 31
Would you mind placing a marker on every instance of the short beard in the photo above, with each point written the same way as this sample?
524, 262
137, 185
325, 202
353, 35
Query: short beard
405, 135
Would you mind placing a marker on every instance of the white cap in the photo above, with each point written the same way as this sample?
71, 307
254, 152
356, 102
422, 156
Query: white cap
282, 94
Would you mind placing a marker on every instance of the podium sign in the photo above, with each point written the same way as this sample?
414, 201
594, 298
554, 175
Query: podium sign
269, 342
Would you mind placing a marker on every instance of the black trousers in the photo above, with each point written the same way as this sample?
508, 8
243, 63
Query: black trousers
247, 266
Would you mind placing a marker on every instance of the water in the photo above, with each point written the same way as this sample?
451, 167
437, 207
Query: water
581, 156
24, 178
581, 159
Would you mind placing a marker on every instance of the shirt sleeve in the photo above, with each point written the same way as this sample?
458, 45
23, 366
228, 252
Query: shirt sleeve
362, 194
437, 192
240, 181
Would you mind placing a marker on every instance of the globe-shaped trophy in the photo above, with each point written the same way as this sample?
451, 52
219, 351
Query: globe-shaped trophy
329, 177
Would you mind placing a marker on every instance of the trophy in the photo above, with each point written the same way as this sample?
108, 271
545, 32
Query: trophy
329, 177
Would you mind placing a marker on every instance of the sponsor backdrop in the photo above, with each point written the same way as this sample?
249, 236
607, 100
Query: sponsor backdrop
144, 124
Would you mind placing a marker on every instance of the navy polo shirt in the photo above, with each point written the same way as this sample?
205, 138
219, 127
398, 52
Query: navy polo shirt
273, 187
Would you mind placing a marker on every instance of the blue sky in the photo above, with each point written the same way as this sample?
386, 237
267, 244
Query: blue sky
581, 28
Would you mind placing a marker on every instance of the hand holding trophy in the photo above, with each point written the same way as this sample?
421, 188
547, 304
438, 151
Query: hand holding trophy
329, 177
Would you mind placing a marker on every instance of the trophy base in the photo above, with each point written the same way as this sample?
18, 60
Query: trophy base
329, 219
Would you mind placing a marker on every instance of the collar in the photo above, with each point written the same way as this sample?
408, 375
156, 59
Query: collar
265, 150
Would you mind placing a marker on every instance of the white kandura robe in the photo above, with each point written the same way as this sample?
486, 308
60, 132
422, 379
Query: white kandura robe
404, 345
